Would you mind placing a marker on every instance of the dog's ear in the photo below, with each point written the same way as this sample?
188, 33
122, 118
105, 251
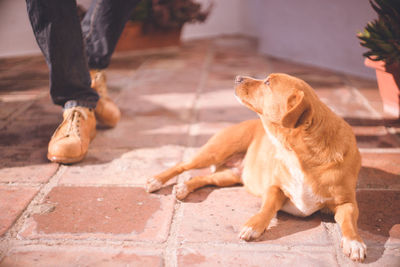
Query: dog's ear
296, 106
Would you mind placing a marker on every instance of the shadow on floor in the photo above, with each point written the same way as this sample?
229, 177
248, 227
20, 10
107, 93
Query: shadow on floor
373, 122
378, 220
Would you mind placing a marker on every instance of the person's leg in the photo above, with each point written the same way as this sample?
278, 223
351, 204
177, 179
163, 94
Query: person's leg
102, 26
58, 33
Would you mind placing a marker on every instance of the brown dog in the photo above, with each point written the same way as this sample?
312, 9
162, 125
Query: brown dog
299, 157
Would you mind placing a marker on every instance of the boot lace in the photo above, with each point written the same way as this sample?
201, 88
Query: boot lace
73, 118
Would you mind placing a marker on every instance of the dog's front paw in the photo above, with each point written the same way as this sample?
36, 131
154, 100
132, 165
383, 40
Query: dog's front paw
248, 233
181, 191
153, 184
253, 228
356, 250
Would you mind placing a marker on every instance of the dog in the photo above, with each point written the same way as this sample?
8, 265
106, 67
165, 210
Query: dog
298, 156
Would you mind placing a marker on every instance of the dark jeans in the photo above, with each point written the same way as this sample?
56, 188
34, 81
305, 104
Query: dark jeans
71, 49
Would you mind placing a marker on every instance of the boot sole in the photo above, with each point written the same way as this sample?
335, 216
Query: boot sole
65, 160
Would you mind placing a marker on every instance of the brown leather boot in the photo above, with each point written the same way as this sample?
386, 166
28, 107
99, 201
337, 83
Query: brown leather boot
70, 141
107, 112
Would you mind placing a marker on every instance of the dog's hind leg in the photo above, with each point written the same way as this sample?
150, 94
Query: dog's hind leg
220, 178
203, 159
229, 141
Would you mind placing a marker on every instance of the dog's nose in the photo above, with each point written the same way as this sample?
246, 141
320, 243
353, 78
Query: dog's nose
239, 79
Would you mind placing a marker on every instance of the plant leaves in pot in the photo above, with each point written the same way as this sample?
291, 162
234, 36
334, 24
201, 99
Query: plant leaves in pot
382, 38
158, 23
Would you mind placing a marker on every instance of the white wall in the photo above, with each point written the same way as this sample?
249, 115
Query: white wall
16, 37
226, 17
317, 32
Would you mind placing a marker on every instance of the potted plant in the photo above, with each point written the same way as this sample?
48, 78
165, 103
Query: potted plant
382, 38
158, 23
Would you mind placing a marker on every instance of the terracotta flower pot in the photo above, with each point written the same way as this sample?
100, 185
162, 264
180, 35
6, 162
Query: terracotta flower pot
134, 37
388, 82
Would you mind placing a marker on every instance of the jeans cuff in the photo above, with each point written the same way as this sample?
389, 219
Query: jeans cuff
80, 103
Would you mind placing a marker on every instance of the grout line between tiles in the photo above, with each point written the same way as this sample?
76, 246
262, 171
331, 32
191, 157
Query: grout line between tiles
19, 111
32, 207
390, 150
172, 244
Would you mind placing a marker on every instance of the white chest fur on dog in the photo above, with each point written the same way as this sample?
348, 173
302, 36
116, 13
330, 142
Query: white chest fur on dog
303, 201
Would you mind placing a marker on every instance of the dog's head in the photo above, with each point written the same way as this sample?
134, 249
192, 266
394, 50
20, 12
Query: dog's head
280, 98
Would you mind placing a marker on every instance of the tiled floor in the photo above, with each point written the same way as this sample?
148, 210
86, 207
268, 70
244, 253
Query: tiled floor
96, 213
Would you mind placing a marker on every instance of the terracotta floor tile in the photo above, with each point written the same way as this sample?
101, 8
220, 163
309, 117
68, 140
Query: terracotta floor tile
294, 68
25, 165
377, 141
201, 132
28, 133
261, 257
36, 173
170, 105
23, 85
389, 162
12, 101
380, 171
219, 80
374, 98
362, 83
22, 64
43, 110
7, 109
143, 132
322, 79
226, 67
218, 214
80, 256
379, 219
127, 213
369, 89
13, 201
121, 167
19, 155
345, 103
374, 137
211, 109
232, 42
382, 256
123, 62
